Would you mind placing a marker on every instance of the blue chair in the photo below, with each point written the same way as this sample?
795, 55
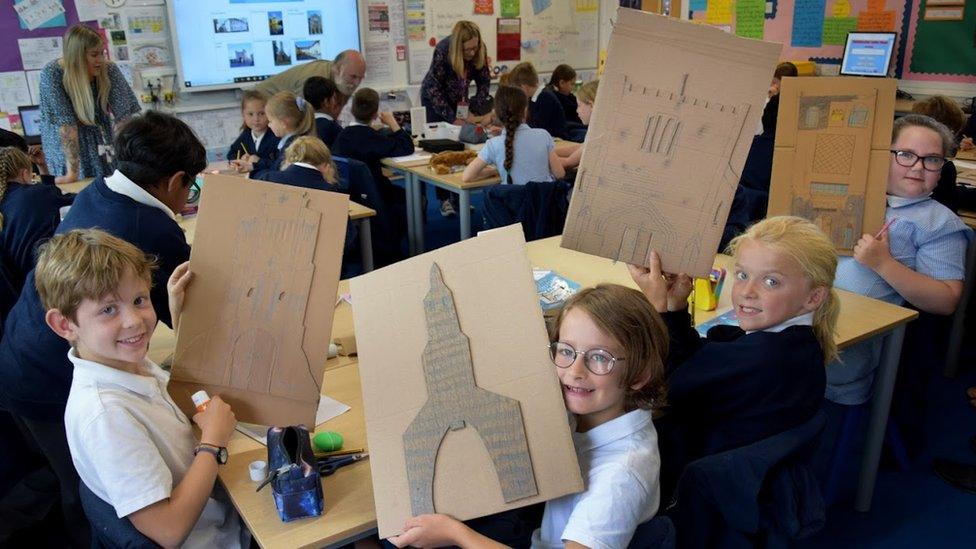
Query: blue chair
356, 180
657, 533
108, 530
540, 207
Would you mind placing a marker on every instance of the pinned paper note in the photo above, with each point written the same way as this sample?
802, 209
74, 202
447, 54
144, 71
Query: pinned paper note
37, 52
871, 21
719, 12
14, 91
836, 28
40, 13
750, 17
808, 22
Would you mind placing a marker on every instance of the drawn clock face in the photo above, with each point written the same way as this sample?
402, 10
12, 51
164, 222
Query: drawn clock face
114, 3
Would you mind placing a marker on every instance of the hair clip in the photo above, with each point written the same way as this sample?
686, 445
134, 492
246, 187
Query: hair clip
300, 101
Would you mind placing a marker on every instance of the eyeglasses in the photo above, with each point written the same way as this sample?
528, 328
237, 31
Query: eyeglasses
598, 361
194, 191
929, 163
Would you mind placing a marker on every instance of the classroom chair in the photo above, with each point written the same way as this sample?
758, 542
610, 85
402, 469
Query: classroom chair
540, 207
108, 530
764, 494
657, 533
356, 180
958, 329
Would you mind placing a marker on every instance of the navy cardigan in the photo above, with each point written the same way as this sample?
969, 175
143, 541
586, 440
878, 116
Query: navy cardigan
35, 374
244, 144
546, 112
327, 130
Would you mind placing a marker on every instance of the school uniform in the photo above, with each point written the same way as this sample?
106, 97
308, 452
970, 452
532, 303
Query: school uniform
132, 445
546, 112
620, 462
531, 148
275, 158
927, 238
30, 215
298, 174
569, 104
735, 388
369, 146
264, 145
326, 129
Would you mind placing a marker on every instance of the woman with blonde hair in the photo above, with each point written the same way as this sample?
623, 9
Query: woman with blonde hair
83, 95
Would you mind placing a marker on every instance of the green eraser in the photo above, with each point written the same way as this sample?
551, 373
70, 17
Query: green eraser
327, 441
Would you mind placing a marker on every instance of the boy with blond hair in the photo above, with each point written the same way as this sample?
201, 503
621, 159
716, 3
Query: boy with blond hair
130, 443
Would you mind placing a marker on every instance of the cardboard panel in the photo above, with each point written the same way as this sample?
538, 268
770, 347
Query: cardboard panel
258, 313
422, 365
672, 125
831, 160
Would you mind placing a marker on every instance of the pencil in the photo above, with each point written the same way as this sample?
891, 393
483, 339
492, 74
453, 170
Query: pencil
245, 149
886, 226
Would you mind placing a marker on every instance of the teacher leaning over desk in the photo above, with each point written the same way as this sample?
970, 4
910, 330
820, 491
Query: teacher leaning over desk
83, 95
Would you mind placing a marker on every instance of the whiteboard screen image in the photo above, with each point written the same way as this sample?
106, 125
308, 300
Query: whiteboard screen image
671, 128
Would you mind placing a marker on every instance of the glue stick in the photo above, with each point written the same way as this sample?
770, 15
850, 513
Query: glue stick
200, 400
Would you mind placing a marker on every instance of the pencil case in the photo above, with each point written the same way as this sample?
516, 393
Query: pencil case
297, 488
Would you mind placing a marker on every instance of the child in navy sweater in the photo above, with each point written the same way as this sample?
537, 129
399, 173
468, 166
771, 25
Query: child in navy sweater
256, 143
743, 384
289, 116
360, 141
561, 83
307, 163
158, 156
545, 111
28, 214
327, 101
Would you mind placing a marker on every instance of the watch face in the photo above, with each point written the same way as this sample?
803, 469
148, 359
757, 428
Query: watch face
222, 455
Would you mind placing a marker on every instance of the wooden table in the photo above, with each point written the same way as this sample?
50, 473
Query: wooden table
861, 318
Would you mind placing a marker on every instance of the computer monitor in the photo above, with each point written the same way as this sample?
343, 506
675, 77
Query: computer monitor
868, 54
30, 121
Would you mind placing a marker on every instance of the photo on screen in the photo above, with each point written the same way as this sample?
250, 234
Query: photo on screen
231, 24
281, 53
314, 22
307, 50
276, 24
241, 55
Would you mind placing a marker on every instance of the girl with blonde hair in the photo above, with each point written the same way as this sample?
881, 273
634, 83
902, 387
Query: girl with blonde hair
83, 96
742, 384
307, 163
289, 117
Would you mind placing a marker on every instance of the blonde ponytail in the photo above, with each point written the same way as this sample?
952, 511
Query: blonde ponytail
299, 113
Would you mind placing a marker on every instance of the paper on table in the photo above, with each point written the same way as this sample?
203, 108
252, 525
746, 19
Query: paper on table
329, 408
421, 155
13, 91
37, 52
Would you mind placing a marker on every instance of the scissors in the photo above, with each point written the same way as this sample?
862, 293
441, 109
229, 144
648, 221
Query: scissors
328, 466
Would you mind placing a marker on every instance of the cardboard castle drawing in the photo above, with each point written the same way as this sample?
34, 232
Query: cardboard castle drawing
831, 160
258, 313
464, 414
674, 117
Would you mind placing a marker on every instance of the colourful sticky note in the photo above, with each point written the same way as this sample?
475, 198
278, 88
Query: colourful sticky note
835, 29
699, 5
877, 5
808, 22
876, 21
842, 8
750, 16
719, 12
511, 8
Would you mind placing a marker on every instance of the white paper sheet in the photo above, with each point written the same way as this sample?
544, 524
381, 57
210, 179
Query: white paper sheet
37, 12
34, 85
329, 408
37, 52
13, 91
91, 10
422, 155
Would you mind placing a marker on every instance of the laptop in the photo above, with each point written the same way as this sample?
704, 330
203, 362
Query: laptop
30, 121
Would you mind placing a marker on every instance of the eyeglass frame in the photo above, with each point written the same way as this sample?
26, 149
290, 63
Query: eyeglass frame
918, 157
586, 360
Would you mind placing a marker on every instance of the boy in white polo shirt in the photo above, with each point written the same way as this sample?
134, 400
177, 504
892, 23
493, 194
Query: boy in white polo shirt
131, 444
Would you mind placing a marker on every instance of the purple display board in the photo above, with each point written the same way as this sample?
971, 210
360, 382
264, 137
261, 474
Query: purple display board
10, 32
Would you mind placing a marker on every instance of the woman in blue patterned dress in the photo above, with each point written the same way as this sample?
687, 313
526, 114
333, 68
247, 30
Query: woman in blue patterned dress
82, 96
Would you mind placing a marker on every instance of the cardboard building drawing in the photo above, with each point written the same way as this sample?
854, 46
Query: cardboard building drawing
673, 121
831, 160
464, 412
264, 255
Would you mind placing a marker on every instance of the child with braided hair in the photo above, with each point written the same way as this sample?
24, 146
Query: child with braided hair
520, 153
28, 214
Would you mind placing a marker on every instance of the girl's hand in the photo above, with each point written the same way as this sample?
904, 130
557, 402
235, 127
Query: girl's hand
216, 423
429, 531
242, 166
69, 177
36, 154
873, 252
666, 292
966, 144
254, 159
176, 290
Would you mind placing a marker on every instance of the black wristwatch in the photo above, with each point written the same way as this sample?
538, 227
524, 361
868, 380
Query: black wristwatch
219, 452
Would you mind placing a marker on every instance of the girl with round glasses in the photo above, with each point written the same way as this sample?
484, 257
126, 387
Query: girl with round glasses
919, 258
609, 347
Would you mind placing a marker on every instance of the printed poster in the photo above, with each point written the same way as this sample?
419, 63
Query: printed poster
509, 39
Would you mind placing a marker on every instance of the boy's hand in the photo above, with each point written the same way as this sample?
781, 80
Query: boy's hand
386, 117
176, 290
242, 166
872, 252
966, 144
666, 292
216, 423
429, 531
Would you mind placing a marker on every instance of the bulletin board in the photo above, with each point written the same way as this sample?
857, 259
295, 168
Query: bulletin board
942, 49
544, 32
808, 29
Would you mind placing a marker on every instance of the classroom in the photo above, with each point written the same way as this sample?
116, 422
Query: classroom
279, 273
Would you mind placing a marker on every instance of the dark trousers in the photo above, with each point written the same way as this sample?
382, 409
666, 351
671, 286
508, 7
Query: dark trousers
51, 441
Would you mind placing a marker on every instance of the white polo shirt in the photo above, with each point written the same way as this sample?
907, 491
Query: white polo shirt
621, 464
131, 445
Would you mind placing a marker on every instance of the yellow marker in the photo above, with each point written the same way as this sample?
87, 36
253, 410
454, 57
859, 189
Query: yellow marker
704, 295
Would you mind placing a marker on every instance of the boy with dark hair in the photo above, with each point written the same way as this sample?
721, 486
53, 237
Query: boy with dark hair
158, 156
325, 98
